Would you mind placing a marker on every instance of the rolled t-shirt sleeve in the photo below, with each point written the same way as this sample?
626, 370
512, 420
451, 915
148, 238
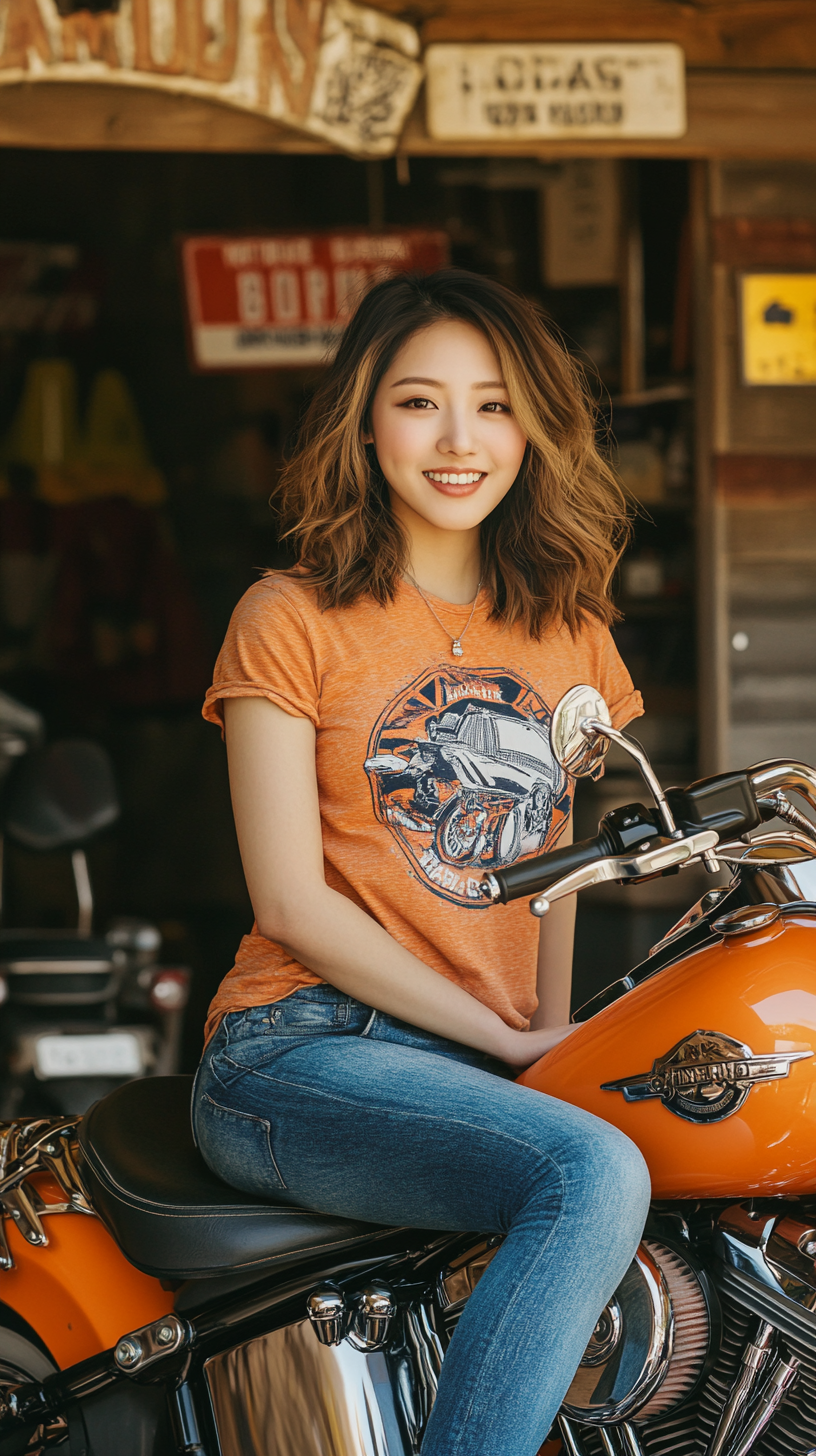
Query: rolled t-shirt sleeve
267, 653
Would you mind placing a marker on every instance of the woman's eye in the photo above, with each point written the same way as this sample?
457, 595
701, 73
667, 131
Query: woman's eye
496, 407
418, 403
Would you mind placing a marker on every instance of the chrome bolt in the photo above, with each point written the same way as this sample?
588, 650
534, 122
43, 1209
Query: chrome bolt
326, 1308
49, 1148
165, 1335
128, 1352
807, 1244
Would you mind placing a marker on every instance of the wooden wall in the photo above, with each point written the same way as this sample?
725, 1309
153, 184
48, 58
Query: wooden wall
758, 518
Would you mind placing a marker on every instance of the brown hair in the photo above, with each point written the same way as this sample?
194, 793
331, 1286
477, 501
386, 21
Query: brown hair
549, 549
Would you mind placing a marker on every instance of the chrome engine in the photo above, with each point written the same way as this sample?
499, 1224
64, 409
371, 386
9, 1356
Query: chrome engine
708, 1347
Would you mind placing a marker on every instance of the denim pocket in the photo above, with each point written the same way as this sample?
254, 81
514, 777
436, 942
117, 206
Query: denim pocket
237, 1146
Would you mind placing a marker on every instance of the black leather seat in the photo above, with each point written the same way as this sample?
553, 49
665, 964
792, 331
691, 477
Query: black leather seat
172, 1217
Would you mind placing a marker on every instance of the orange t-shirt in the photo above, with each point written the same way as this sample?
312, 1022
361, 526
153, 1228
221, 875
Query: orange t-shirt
431, 771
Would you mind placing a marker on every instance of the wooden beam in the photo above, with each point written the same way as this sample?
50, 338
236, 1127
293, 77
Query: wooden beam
763, 479
732, 114
765, 242
711, 561
73, 116
752, 34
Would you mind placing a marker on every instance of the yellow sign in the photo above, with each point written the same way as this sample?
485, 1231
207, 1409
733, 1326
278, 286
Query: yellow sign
779, 328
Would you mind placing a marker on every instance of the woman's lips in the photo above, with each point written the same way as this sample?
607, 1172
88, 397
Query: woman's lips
455, 482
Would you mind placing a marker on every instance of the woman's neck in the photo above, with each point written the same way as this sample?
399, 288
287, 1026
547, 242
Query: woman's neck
445, 563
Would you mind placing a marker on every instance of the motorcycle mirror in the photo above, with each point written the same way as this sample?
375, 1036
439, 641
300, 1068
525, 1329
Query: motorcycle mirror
60, 797
579, 752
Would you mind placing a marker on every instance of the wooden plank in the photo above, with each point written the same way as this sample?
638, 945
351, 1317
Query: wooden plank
731, 114
762, 188
74, 116
765, 242
765, 480
763, 535
711, 577
762, 34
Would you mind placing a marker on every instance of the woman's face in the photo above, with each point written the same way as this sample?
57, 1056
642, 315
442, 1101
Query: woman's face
445, 437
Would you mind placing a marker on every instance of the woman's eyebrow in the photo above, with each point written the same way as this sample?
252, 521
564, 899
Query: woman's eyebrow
416, 380
436, 383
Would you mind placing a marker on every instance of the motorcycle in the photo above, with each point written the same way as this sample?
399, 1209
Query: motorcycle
149, 1309
81, 1012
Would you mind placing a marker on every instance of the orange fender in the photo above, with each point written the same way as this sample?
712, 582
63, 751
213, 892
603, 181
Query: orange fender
79, 1293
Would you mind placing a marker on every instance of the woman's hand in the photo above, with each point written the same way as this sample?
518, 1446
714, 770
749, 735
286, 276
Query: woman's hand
522, 1048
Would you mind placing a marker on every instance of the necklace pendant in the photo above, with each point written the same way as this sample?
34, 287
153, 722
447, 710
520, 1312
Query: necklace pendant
457, 649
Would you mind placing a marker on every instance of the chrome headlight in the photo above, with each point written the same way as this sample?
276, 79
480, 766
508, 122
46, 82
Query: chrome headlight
649, 1346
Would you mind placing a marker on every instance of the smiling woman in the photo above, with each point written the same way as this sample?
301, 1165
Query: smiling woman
549, 547
451, 452
387, 706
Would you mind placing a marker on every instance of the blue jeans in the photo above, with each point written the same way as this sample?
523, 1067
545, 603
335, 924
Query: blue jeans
321, 1102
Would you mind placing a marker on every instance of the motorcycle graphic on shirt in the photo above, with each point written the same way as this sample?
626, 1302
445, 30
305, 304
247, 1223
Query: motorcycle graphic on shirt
461, 771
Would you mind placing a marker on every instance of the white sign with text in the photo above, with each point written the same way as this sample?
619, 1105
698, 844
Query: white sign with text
568, 92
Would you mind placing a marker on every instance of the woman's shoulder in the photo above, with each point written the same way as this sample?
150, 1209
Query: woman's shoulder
277, 593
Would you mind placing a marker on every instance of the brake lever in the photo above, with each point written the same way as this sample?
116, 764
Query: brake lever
662, 855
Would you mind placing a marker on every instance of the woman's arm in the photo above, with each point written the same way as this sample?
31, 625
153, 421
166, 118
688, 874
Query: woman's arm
277, 817
555, 947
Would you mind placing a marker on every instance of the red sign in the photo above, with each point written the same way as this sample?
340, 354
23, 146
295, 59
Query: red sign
285, 298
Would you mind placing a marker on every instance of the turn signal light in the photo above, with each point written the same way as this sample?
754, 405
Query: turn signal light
170, 990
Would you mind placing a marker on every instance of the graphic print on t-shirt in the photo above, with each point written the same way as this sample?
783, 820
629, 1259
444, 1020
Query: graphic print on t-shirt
461, 771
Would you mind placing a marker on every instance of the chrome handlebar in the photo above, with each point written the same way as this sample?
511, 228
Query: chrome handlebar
778, 773
662, 856
768, 780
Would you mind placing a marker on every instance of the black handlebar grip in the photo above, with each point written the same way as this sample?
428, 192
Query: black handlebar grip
531, 876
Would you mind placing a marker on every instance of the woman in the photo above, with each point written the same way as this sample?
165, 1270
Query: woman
386, 707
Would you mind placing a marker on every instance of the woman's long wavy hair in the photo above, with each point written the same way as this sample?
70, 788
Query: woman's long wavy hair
549, 549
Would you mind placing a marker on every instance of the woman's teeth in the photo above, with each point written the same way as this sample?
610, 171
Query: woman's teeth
445, 477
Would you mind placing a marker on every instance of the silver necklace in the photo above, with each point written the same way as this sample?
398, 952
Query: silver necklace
456, 642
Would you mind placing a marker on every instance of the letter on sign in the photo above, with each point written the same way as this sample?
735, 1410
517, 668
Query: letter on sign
511, 92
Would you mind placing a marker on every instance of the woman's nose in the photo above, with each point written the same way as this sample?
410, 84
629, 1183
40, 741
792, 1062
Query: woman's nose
457, 436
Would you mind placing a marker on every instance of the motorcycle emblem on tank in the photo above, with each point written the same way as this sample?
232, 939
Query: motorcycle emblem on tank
706, 1077
461, 771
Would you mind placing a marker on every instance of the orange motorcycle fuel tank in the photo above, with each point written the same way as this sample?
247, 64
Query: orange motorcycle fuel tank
710, 1064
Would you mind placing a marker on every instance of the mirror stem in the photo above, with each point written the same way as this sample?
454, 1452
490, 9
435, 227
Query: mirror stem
595, 728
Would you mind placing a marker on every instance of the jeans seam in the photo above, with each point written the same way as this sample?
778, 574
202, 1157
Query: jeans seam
250, 1117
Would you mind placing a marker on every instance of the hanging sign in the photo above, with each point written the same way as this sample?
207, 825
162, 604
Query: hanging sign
779, 328
568, 92
582, 223
331, 68
285, 298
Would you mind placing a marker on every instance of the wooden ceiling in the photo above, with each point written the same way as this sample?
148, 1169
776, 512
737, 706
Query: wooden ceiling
743, 34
